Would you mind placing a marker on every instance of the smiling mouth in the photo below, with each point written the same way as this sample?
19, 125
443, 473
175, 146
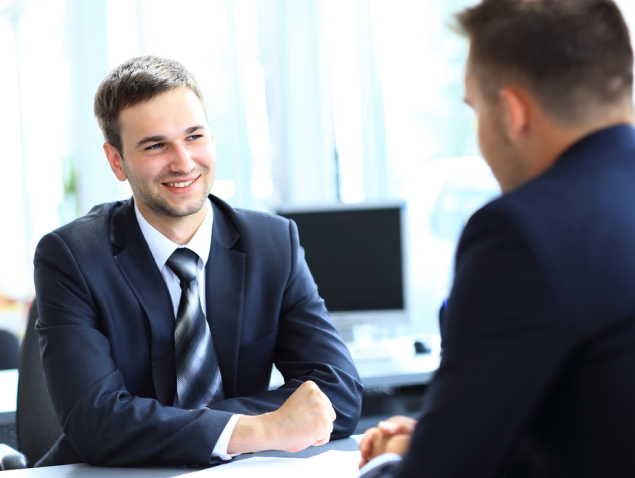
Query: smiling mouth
180, 185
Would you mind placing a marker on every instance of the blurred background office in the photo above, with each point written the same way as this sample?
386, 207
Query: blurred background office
313, 103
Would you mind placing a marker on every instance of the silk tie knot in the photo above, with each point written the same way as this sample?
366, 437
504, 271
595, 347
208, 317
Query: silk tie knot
184, 264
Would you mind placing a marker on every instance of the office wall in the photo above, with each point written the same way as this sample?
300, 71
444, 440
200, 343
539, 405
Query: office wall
311, 102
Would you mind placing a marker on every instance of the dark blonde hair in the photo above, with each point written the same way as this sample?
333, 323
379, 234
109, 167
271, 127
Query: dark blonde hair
137, 80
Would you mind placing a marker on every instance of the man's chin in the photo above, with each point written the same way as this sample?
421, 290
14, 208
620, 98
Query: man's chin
176, 211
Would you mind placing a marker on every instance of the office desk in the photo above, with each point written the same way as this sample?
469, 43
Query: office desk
86, 471
391, 362
396, 363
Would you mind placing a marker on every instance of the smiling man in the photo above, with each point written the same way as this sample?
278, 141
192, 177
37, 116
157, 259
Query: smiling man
161, 316
537, 375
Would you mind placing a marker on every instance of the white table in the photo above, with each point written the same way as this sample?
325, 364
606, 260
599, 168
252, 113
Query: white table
86, 471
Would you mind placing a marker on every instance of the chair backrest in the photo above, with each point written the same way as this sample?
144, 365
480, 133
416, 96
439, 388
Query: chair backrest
9, 350
36, 422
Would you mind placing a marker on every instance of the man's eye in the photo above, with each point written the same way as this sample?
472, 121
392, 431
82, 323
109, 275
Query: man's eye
154, 146
196, 136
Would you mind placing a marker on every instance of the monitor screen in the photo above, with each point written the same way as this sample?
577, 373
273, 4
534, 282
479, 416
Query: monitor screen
355, 254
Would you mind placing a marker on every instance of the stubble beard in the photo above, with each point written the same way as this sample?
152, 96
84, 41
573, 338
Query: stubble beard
153, 200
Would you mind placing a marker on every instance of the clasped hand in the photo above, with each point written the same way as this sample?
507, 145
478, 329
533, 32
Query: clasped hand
390, 436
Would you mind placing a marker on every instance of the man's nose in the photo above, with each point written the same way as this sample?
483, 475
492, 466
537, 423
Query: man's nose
181, 159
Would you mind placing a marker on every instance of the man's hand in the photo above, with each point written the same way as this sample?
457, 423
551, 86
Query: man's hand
390, 436
305, 419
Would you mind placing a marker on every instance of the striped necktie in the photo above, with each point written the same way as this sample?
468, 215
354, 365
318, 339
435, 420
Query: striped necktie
198, 379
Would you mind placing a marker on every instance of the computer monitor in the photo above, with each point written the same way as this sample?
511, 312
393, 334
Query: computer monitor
357, 254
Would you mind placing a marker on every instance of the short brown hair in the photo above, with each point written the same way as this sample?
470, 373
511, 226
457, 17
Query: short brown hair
575, 56
137, 80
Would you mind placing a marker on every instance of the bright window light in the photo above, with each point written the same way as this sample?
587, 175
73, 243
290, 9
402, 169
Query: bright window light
14, 255
253, 80
5, 3
224, 189
341, 34
44, 105
123, 32
262, 187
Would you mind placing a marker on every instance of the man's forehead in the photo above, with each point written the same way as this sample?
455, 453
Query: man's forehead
178, 110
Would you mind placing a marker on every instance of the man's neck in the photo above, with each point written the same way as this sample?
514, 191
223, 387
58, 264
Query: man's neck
179, 230
554, 138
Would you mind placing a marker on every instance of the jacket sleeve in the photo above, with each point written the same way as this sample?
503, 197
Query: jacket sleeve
105, 424
505, 340
307, 347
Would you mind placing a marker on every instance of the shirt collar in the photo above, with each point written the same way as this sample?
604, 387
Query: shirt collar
162, 248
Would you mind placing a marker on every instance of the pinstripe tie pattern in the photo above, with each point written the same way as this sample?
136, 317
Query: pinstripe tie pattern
198, 379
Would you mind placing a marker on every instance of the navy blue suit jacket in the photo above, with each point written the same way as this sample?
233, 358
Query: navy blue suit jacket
107, 336
538, 371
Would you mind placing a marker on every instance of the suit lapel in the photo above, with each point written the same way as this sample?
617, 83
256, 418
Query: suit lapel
225, 294
134, 259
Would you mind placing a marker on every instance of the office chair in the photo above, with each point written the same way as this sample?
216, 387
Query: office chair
36, 422
9, 350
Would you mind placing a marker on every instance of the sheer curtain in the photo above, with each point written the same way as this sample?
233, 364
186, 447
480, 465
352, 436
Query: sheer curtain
311, 102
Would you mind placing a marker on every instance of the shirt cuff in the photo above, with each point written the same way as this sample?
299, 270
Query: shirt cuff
220, 449
378, 461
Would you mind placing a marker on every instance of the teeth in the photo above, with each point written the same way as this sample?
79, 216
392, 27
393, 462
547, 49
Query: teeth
180, 185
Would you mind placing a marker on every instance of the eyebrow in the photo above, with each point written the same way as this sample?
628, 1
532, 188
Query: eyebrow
160, 138
191, 129
150, 139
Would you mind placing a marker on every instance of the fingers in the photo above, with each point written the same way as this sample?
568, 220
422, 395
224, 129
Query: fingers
329, 406
375, 445
365, 442
306, 418
399, 444
397, 425
379, 441
323, 441
375, 440
365, 445
402, 420
330, 411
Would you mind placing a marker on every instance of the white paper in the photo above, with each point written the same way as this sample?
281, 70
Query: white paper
331, 464
252, 467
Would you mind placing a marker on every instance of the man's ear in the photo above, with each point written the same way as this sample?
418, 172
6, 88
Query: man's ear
116, 161
516, 110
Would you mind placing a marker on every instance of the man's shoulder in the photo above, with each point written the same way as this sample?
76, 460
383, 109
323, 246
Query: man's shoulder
576, 187
89, 231
247, 221
97, 218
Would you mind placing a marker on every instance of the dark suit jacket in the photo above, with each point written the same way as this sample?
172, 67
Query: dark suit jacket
107, 336
538, 371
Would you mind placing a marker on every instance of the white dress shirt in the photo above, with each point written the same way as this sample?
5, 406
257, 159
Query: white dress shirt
162, 248
378, 461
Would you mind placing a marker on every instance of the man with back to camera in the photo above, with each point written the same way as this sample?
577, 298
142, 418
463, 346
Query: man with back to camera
538, 371
161, 316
